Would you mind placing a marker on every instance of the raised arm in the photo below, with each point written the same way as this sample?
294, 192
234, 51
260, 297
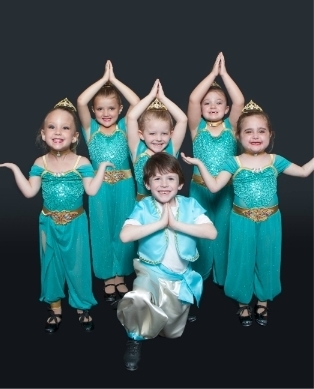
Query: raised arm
300, 171
130, 233
194, 106
92, 184
85, 97
214, 184
134, 114
234, 92
178, 115
129, 95
29, 187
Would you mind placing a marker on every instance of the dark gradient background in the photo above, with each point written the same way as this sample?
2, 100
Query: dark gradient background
52, 50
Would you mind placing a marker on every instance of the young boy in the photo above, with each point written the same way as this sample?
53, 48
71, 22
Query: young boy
166, 226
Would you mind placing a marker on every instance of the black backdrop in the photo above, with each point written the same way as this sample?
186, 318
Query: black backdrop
51, 50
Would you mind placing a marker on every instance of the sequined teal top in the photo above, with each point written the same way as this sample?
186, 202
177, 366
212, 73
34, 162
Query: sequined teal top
141, 158
256, 188
112, 148
213, 150
62, 191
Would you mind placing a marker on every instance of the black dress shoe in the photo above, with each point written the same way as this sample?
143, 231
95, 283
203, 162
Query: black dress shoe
121, 294
246, 321
110, 297
52, 324
191, 318
132, 354
261, 317
87, 326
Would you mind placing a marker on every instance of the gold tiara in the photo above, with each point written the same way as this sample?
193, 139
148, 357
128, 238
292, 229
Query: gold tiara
66, 104
215, 85
156, 104
251, 106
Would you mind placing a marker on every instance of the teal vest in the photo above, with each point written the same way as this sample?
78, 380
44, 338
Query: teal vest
152, 248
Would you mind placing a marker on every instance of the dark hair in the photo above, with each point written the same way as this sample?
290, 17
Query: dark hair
151, 114
215, 88
39, 141
107, 90
163, 163
256, 113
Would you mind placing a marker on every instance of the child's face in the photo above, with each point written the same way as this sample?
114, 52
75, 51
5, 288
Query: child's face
214, 106
164, 187
156, 134
59, 130
255, 134
106, 110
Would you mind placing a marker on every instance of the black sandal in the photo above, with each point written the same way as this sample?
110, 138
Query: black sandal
121, 294
110, 296
246, 321
52, 324
88, 326
261, 317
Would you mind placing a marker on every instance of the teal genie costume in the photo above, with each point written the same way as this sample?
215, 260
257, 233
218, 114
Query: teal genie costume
141, 158
160, 300
255, 232
64, 237
114, 201
213, 151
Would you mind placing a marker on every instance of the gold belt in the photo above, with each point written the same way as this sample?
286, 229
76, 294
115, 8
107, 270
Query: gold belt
139, 196
114, 176
198, 179
255, 214
63, 217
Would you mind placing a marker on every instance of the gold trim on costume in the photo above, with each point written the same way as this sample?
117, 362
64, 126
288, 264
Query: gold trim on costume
63, 217
114, 176
198, 179
255, 214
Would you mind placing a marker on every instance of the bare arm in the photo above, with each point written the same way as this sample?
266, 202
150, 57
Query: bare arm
85, 97
194, 106
205, 230
300, 171
129, 95
29, 187
178, 115
234, 92
134, 114
92, 185
214, 184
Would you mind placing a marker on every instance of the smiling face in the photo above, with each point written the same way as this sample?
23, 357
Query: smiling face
164, 187
254, 134
214, 106
106, 110
59, 130
156, 134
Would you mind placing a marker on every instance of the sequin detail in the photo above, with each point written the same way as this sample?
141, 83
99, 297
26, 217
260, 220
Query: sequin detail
214, 150
138, 172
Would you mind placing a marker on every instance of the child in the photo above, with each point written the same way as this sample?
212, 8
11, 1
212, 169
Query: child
63, 225
165, 225
255, 221
151, 130
213, 142
105, 137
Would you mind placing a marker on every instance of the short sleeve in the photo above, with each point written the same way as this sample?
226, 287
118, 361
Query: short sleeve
36, 171
137, 212
281, 163
230, 165
122, 124
86, 171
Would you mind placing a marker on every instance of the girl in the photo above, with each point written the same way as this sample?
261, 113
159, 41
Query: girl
213, 140
105, 137
63, 226
255, 222
151, 129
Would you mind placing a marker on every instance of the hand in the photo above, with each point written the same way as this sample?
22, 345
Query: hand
189, 160
171, 219
111, 73
222, 65
215, 70
8, 165
160, 92
105, 77
154, 90
165, 216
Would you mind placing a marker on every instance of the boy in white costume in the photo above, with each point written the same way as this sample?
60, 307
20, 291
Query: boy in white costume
166, 226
